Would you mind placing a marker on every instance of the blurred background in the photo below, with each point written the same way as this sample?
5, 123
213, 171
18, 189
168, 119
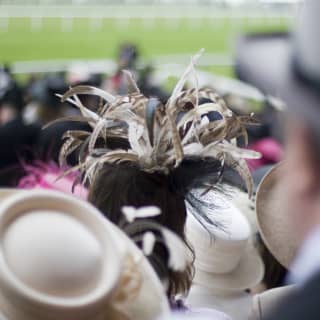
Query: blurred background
47, 46
47, 35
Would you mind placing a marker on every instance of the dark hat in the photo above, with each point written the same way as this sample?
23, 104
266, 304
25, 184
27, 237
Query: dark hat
128, 55
44, 90
10, 93
286, 65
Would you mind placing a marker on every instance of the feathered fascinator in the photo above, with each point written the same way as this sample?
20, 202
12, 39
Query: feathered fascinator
189, 142
44, 175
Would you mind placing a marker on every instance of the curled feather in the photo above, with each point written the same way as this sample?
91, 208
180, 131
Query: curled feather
67, 148
66, 119
89, 91
132, 85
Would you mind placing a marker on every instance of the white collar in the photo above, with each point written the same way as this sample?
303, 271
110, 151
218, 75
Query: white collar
307, 262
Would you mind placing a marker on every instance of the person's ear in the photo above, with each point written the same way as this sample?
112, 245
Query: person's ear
303, 156
313, 157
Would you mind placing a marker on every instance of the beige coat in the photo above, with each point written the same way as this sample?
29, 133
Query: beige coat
264, 302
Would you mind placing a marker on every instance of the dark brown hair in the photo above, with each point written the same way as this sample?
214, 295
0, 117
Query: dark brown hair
116, 186
275, 273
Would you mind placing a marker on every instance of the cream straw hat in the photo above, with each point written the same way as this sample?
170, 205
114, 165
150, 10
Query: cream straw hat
61, 259
272, 221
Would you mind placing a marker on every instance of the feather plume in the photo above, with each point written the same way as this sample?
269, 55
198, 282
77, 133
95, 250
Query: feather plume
132, 85
90, 91
68, 118
67, 148
161, 138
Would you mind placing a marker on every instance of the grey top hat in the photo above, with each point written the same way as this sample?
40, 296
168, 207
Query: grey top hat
286, 65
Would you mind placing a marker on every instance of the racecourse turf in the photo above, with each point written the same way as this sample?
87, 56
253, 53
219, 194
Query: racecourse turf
23, 39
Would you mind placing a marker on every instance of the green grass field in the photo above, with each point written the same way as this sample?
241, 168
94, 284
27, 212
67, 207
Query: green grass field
20, 42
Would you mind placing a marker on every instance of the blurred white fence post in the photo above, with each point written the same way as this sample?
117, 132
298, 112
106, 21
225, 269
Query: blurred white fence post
148, 22
4, 20
67, 23
36, 23
123, 22
4, 24
194, 23
96, 23
172, 22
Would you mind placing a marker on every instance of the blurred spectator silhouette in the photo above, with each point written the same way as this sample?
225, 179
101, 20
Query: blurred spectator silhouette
15, 134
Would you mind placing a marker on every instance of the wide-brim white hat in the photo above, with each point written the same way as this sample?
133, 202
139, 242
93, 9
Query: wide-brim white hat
223, 261
248, 274
61, 259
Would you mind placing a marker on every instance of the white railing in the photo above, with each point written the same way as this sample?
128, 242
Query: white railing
139, 11
109, 66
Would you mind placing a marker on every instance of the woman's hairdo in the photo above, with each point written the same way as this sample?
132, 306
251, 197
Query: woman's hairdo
190, 142
138, 151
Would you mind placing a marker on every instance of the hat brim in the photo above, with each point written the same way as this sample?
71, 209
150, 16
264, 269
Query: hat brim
248, 273
7, 192
266, 61
272, 222
151, 299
